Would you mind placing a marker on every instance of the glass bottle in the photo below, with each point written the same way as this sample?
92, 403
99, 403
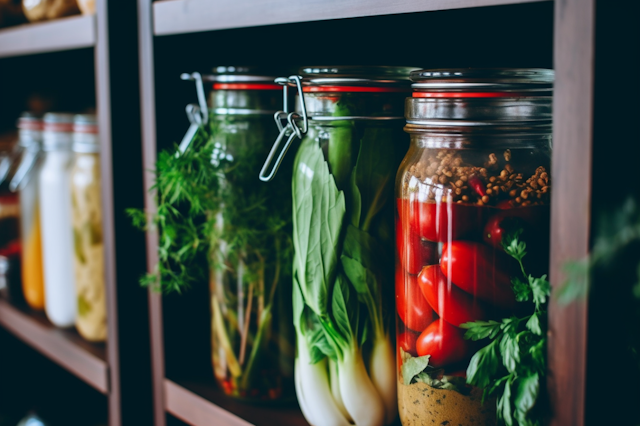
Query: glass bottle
55, 220
26, 182
250, 247
86, 206
476, 173
350, 122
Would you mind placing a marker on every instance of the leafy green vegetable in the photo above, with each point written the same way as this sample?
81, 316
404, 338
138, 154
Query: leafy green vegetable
342, 189
412, 366
418, 370
511, 365
218, 223
610, 276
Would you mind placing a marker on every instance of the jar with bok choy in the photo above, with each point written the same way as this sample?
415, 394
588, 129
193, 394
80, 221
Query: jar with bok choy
349, 120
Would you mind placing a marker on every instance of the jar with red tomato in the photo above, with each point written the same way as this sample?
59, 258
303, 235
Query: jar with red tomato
476, 173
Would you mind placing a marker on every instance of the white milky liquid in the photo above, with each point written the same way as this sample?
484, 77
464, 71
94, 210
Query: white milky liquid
57, 243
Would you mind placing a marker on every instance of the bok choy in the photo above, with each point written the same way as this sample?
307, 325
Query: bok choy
343, 271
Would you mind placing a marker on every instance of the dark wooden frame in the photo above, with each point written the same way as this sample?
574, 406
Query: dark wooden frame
119, 369
574, 50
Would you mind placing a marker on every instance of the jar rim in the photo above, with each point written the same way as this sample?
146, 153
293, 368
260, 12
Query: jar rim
356, 76
484, 80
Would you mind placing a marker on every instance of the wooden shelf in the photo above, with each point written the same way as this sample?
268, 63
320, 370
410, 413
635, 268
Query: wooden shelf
186, 16
201, 404
65, 347
74, 32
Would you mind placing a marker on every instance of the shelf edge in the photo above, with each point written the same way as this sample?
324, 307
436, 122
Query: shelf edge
195, 410
49, 341
188, 16
74, 32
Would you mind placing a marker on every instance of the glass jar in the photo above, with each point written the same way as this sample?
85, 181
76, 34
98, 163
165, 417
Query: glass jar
25, 182
86, 206
350, 122
476, 175
55, 220
250, 247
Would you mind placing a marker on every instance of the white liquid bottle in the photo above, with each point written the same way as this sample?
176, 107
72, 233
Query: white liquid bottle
55, 220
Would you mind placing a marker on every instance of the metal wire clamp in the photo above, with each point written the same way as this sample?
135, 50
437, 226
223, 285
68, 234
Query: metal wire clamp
291, 130
198, 115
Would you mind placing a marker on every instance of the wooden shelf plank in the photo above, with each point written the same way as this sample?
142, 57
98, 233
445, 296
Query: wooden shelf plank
186, 16
64, 347
201, 404
74, 32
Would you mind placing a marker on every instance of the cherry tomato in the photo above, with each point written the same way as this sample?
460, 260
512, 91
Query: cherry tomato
441, 222
413, 309
447, 300
499, 226
444, 342
407, 341
413, 251
480, 271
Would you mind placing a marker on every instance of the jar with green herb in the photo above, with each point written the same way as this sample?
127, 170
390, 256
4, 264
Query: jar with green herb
86, 209
211, 204
350, 121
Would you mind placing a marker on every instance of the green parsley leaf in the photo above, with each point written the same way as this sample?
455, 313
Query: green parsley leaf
521, 289
479, 330
534, 324
484, 365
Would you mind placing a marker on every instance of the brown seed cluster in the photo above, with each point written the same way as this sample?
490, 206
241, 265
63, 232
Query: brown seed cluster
449, 177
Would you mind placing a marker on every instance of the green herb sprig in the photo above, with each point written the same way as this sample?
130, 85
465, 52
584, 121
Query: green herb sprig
512, 366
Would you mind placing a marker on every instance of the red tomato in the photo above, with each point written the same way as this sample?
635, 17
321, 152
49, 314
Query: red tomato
499, 226
447, 300
413, 309
441, 222
444, 342
413, 251
407, 341
480, 271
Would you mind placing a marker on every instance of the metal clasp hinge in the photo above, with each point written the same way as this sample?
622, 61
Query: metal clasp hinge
290, 130
198, 115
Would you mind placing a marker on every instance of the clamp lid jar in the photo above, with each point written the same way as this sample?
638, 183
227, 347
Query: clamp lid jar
476, 177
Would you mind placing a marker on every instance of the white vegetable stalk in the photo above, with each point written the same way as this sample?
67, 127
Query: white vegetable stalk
314, 392
360, 397
335, 389
383, 375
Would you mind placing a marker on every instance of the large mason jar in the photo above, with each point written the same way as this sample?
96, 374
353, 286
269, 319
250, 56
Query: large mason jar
350, 121
476, 177
55, 220
250, 244
86, 209
25, 182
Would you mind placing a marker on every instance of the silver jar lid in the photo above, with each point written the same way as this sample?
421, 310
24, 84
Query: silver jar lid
85, 134
239, 74
488, 80
58, 128
30, 129
462, 100
358, 76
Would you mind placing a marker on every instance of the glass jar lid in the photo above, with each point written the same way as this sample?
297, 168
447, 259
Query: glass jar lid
30, 129
29, 121
350, 78
467, 100
58, 128
241, 78
85, 134
482, 82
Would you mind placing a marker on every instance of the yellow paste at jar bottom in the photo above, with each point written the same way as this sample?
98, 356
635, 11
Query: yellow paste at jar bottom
32, 274
420, 404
